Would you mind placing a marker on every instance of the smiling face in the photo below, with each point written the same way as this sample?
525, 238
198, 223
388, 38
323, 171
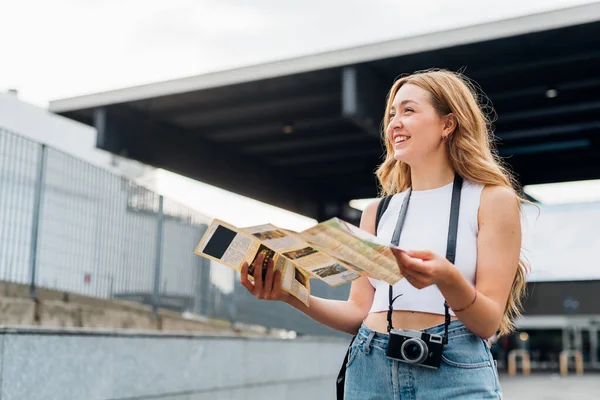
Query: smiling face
415, 129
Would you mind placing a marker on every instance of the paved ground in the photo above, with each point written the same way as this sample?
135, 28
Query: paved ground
551, 387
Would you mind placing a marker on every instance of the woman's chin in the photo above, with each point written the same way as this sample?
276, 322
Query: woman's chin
401, 155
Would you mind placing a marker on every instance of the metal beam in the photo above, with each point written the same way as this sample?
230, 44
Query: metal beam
545, 147
104, 128
326, 157
522, 67
549, 111
540, 90
174, 149
261, 91
336, 169
562, 175
549, 131
556, 169
250, 110
297, 143
363, 98
341, 187
256, 131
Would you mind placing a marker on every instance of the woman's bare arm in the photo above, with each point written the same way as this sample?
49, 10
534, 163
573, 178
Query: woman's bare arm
345, 315
498, 250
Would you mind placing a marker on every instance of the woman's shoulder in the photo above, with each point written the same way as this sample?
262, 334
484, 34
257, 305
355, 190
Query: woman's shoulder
489, 193
380, 204
498, 201
367, 220
497, 194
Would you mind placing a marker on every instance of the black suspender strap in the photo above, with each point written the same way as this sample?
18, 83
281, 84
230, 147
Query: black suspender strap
453, 229
450, 248
395, 241
452, 237
381, 207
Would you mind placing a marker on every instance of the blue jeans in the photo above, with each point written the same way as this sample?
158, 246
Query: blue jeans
467, 370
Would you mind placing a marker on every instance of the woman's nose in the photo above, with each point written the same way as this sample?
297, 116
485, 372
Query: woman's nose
396, 123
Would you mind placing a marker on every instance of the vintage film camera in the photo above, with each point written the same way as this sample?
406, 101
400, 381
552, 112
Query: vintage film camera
415, 347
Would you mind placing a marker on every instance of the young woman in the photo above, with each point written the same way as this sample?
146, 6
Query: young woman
436, 135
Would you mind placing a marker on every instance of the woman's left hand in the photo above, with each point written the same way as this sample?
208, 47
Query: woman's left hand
422, 268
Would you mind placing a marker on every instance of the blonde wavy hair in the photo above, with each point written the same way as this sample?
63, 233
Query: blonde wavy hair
471, 150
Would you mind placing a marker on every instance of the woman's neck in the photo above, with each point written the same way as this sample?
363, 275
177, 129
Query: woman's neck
431, 176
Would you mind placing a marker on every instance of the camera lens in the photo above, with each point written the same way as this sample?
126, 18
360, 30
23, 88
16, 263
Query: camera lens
414, 351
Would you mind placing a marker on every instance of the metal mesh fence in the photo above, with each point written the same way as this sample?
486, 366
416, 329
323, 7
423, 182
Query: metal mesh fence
18, 171
71, 226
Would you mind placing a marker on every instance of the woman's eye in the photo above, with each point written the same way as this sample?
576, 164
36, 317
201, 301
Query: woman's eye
407, 109
392, 116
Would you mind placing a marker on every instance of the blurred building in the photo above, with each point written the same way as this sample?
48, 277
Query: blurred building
559, 315
96, 221
562, 307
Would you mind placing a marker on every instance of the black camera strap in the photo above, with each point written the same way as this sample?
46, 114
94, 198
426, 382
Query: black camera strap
450, 249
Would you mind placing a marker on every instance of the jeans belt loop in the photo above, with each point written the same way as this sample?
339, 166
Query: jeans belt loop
368, 342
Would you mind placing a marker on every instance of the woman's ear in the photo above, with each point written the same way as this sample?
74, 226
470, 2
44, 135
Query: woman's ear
450, 125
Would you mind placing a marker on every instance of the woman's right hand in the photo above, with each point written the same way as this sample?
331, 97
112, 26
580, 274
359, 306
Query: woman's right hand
271, 288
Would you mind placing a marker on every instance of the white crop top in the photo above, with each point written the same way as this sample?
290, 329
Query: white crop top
426, 228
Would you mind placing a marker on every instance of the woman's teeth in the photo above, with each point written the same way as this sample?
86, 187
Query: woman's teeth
399, 139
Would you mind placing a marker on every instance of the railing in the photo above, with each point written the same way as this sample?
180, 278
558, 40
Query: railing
68, 225
564, 361
512, 361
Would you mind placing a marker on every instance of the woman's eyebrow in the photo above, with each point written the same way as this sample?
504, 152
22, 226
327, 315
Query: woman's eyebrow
404, 102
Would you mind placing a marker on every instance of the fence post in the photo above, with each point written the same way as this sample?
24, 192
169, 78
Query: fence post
158, 258
233, 311
35, 225
203, 286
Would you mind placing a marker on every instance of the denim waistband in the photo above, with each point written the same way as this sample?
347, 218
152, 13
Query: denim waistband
456, 328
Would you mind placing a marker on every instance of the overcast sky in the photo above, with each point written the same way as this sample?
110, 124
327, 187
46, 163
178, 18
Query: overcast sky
51, 49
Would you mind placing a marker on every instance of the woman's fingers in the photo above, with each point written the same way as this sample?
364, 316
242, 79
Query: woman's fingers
268, 286
421, 254
399, 254
258, 276
244, 278
278, 292
277, 281
406, 262
402, 259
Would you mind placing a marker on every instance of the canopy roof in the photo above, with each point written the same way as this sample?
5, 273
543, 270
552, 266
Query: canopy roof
303, 133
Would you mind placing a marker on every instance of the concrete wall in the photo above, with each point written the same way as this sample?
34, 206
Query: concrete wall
56, 309
44, 364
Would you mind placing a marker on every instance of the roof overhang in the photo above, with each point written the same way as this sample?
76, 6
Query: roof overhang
303, 134
355, 55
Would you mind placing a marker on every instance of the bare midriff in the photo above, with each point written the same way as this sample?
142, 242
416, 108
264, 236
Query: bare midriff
403, 320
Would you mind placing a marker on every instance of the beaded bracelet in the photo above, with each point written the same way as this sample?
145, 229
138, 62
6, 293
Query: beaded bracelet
463, 309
